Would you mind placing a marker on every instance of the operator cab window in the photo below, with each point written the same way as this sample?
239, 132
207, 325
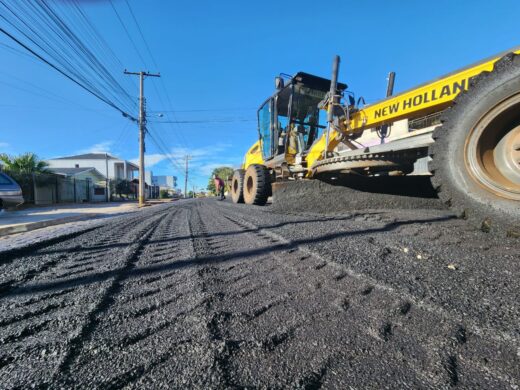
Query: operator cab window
264, 128
282, 117
305, 115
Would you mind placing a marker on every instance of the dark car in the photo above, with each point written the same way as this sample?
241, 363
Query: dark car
10, 192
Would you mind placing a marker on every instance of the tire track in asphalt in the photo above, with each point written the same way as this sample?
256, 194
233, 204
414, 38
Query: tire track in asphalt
155, 317
450, 347
212, 300
32, 336
222, 319
35, 260
75, 345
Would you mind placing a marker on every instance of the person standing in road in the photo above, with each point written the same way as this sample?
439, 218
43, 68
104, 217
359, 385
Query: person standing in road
219, 186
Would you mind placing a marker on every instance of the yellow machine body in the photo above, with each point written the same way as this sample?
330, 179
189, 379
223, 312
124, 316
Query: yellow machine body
417, 102
469, 151
253, 155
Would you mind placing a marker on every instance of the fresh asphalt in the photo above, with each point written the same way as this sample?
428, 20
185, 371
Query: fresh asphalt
209, 294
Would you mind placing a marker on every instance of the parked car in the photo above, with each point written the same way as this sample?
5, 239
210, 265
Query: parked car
10, 192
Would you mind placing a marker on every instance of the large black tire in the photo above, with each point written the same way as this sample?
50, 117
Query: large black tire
257, 185
465, 172
237, 186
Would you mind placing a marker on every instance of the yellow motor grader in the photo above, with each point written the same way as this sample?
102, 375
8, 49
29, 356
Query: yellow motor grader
463, 129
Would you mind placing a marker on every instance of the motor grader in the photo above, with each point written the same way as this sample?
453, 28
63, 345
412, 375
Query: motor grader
462, 129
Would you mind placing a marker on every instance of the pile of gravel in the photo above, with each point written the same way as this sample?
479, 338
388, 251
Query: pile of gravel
355, 193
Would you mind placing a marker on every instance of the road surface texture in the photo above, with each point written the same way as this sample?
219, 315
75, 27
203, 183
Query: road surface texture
208, 294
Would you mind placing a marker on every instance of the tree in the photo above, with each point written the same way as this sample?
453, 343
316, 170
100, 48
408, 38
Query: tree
24, 163
164, 194
224, 173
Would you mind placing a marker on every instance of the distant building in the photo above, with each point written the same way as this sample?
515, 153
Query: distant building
148, 178
165, 181
152, 190
157, 183
112, 167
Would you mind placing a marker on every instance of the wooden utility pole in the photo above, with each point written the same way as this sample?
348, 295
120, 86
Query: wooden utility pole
142, 131
187, 158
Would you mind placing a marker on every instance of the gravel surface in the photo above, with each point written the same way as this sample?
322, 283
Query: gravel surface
208, 294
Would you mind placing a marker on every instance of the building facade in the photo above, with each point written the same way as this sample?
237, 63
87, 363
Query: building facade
110, 166
95, 191
165, 181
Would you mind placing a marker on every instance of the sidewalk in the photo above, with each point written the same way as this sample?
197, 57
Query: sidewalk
38, 217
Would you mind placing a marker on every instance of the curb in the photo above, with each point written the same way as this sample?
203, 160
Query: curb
25, 227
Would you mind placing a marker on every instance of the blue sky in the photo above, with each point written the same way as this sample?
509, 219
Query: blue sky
218, 60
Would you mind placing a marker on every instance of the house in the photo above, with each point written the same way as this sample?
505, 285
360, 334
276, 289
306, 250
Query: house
85, 183
112, 167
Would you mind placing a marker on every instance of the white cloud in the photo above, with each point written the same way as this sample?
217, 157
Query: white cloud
203, 161
207, 168
6, 148
150, 159
101, 147
199, 152
201, 158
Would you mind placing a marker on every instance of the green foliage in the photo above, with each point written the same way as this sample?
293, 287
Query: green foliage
123, 187
164, 194
224, 173
24, 163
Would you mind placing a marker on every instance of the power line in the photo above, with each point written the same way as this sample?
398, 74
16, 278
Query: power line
209, 121
128, 34
180, 135
63, 50
125, 114
209, 110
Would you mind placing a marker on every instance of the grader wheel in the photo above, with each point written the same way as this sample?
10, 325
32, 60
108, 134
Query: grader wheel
257, 185
237, 186
476, 153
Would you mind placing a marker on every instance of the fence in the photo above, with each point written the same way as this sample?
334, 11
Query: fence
43, 188
39, 188
126, 190
123, 190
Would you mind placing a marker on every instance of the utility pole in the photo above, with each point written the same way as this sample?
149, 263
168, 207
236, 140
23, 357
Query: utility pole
187, 158
142, 130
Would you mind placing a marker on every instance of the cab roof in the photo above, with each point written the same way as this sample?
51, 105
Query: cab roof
315, 82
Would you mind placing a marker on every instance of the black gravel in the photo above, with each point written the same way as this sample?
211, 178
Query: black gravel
208, 294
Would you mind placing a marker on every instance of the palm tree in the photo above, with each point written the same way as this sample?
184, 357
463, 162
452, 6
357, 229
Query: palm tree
24, 163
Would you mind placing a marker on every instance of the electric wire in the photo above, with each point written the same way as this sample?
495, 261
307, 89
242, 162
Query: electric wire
179, 135
125, 114
64, 51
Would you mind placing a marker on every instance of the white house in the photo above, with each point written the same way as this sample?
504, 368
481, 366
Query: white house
110, 166
95, 191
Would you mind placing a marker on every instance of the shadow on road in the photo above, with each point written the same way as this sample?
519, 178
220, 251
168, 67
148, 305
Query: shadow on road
177, 264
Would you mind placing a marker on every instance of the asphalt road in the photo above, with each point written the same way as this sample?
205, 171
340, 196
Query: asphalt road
208, 294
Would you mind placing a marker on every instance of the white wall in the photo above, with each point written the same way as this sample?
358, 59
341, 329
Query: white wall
100, 165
